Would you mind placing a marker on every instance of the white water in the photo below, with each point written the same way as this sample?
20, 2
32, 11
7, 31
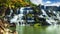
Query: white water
51, 20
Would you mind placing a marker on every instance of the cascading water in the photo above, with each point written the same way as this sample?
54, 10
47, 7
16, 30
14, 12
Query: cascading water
18, 18
53, 20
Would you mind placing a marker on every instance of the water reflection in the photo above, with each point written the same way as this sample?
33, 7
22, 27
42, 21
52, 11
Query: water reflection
53, 29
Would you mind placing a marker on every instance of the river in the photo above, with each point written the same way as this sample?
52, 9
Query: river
52, 29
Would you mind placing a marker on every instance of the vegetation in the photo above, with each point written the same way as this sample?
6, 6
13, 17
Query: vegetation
4, 4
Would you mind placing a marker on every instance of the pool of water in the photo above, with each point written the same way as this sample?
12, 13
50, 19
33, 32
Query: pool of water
52, 29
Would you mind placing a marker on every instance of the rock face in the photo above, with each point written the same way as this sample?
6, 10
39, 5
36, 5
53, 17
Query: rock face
1, 31
43, 21
3, 26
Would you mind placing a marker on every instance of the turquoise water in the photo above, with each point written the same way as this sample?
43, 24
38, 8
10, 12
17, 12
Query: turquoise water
53, 29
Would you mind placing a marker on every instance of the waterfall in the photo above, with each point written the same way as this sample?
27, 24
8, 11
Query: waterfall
44, 12
54, 17
58, 15
48, 19
51, 20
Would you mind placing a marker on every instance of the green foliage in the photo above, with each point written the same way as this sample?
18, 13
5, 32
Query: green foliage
16, 3
37, 25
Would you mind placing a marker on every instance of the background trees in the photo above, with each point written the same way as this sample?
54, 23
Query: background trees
4, 4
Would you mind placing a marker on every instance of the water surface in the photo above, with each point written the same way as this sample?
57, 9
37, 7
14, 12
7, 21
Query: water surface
53, 29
